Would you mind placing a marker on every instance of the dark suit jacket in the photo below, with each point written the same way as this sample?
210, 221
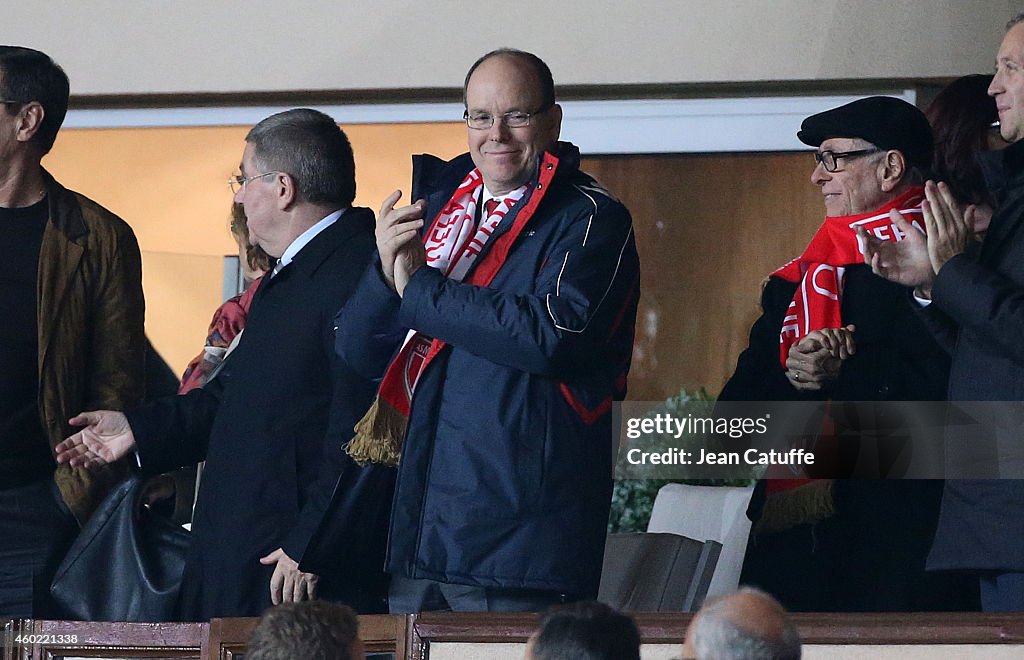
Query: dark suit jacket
271, 431
981, 295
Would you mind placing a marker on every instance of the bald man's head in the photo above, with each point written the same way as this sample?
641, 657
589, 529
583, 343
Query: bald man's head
746, 625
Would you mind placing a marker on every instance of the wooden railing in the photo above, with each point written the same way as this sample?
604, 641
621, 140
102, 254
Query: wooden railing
409, 637
50, 640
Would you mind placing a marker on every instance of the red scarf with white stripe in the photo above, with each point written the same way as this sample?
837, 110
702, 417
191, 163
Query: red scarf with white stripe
454, 240
817, 304
452, 244
820, 269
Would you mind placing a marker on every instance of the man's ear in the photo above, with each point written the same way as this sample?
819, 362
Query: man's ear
556, 122
30, 119
892, 170
287, 190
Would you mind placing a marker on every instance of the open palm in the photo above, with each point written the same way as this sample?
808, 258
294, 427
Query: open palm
105, 438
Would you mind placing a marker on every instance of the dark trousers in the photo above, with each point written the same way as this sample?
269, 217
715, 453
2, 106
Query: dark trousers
408, 596
1002, 592
36, 530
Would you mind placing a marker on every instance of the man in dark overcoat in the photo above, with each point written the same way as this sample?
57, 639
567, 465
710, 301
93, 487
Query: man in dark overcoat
972, 295
272, 425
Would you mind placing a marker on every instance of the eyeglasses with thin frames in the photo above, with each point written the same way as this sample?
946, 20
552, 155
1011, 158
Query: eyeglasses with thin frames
238, 181
830, 159
481, 121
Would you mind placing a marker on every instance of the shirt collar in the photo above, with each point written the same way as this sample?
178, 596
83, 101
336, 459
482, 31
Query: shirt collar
487, 195
304, 238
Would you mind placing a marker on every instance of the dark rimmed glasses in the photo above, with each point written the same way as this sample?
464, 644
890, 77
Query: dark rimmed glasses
830, 159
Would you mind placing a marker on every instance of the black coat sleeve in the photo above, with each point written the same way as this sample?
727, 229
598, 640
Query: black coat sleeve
984, 302
174, 431
759, 374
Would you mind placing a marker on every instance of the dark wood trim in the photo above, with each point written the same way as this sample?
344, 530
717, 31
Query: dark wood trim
379, 632
454, 94
386, 633
409, 636
413, 648
227, 638
451, 627
474, 626
286, 98
11, 629
136, 640
665, 628
911, 628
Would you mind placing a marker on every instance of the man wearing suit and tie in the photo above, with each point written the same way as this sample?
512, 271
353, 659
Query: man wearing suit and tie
271, 427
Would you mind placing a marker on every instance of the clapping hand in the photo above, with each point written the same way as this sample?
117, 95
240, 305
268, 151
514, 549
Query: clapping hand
949, 229
398, 240
906, 261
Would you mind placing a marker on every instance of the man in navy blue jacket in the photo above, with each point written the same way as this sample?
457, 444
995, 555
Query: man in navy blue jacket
513, 280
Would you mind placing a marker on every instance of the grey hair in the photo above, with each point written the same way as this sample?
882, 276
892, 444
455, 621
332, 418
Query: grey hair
1019, 18
310, 147
715, 636
913, 175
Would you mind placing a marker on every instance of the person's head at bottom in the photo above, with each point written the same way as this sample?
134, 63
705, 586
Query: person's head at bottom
585, 630
307, 630
745, 625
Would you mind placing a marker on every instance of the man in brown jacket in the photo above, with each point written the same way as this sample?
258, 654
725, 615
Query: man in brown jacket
71, 337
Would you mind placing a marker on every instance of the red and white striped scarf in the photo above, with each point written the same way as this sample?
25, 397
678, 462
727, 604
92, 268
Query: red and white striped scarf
817, 304
822, 266
452, 243
454, 240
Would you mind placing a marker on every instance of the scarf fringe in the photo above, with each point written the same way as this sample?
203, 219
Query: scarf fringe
378, 435
805, 505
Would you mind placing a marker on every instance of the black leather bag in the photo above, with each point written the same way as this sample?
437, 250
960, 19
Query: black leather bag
125, 565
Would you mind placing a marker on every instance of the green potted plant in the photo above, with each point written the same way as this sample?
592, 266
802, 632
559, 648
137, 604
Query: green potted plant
633, 499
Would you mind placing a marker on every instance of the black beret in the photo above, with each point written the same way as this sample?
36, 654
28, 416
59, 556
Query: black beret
884, 121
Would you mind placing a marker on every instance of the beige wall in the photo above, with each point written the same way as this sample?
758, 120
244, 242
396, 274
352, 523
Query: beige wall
154, 46
170, 185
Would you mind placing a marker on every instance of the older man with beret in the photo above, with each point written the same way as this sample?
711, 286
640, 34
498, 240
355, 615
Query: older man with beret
832, 330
